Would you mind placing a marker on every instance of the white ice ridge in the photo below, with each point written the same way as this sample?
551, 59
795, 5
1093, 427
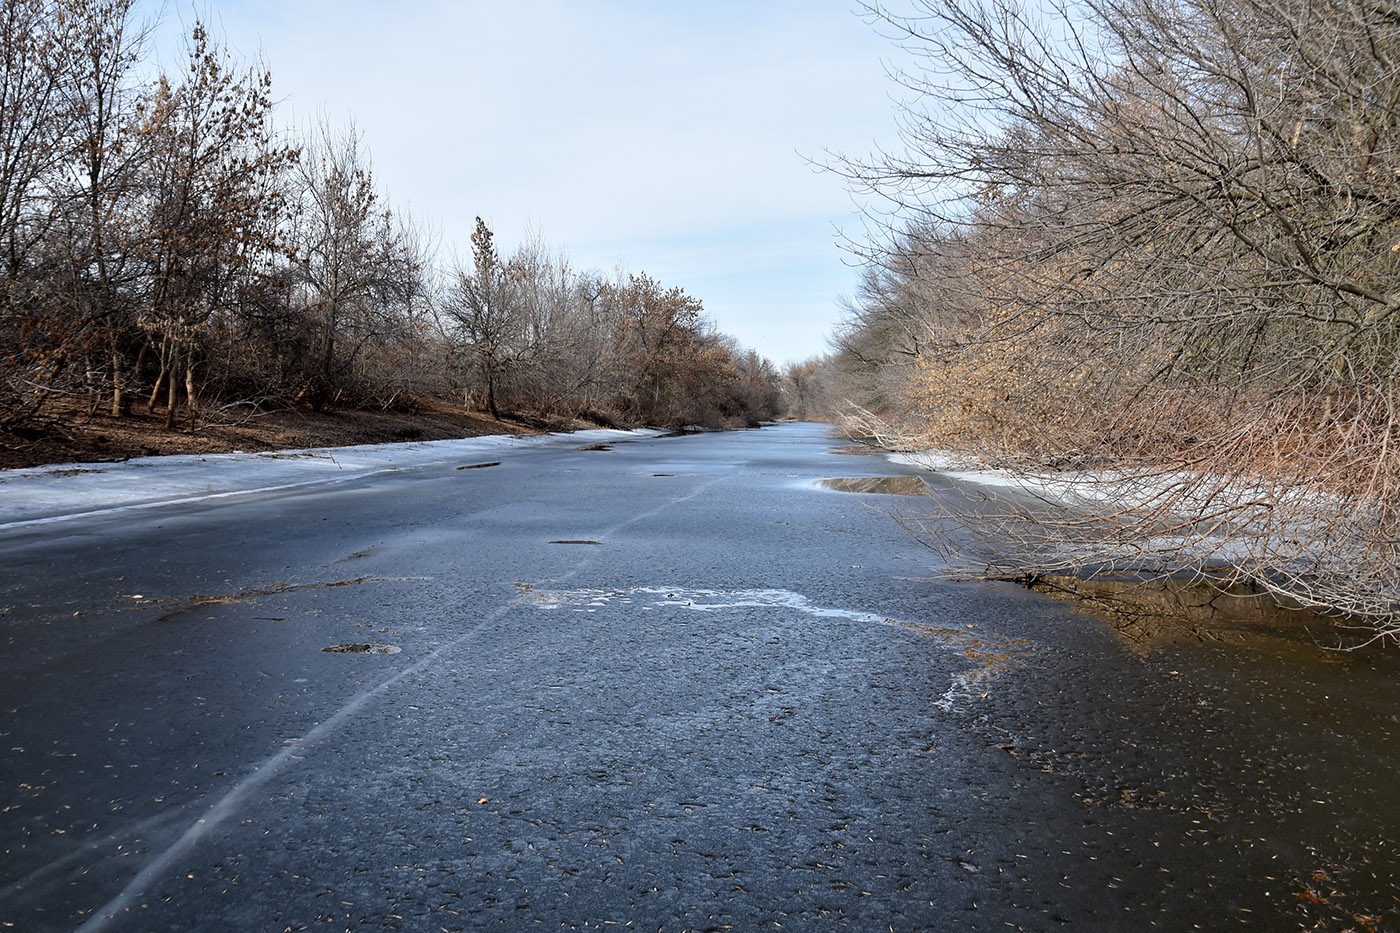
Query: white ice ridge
990, 654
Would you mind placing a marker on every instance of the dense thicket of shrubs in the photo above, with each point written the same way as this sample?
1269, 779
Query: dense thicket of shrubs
1161, 241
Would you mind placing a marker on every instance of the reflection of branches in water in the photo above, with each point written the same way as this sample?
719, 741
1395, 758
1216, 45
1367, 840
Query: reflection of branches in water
1151, 611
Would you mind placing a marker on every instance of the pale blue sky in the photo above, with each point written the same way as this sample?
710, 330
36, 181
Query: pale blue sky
667, 137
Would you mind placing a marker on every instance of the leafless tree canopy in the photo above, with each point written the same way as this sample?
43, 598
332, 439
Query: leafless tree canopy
1157, 244
164, 242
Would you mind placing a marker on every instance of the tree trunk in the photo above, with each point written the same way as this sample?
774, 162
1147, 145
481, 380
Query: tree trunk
160, 377
118, 399
173, 396
191, 398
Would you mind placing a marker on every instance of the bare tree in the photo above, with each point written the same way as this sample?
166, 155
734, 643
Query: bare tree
101, 45
209, 202
35, 120
658, 331
359, 270
484, 307
35, 124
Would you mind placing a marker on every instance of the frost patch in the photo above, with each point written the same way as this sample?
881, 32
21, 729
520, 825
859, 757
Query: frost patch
990, 654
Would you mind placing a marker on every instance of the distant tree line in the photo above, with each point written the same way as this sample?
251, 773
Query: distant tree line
166, 246
1157, 246
528, 331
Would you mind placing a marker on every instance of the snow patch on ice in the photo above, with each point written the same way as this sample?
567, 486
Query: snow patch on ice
959, 468
62, 491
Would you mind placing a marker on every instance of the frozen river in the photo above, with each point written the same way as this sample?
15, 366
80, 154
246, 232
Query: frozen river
667, 680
